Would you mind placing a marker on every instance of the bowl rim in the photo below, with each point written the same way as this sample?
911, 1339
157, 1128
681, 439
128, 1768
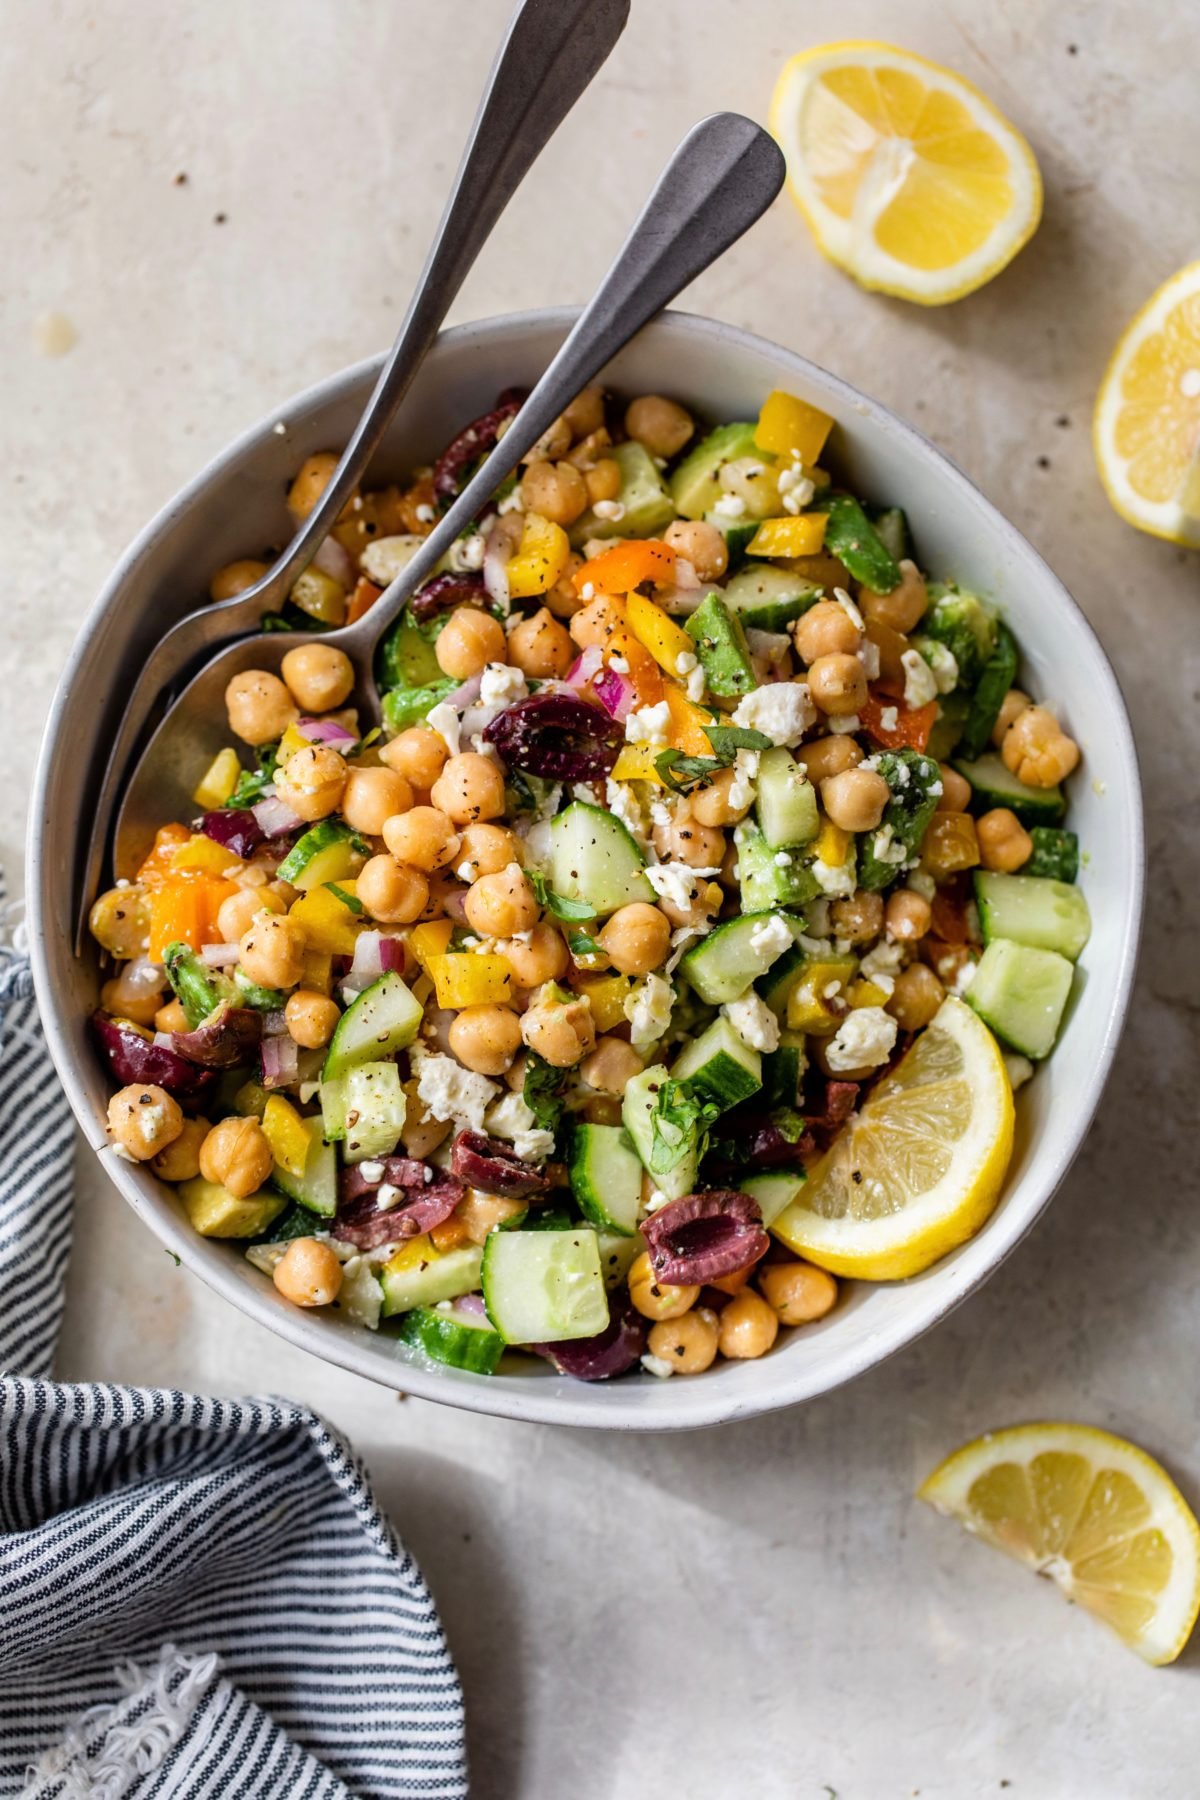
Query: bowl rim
532, 1402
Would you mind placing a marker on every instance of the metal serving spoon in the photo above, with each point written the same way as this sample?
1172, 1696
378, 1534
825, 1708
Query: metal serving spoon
723, 176
551, 53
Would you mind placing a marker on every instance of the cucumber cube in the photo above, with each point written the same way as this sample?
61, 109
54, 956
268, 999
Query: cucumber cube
1021, 992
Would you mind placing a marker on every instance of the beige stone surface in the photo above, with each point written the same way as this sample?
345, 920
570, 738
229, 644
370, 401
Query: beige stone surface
763, 1610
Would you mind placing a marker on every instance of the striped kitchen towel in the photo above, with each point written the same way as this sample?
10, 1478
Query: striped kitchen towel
198, 1597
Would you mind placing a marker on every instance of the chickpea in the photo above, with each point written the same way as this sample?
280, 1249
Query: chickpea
171, 1017
485, 850
701, 908
1004, 842
236, 1155
747, 1327
259, 706
372, 796
309, 1273
701, 544
636, 939
121, 1003
826, 629
541, 646
904, 606
688, 1343
837, 684
586, 412
1037, 750
144, 1120
543, 958
799, 1292
686, 840
422, 837
312, 478
661, 425
855, 799
311, 781
469, 788
950, 843
915, 998
319, 676
486, 1038
907, 917
611, 1064
554, 442
597, 622
271, 951
468, 642
554, 491
561, 1032
180, 1160
235, 915
500, 905
1012, 706
392, 894
654, 1301
421, 1133
418, 754
956, 790
563, 598
857, 917
311, 1018
603, 480
711, 805
440, 889
828, 756
235, 578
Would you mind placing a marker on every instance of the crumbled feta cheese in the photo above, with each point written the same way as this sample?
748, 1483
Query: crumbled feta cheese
963, 978
501, 685
1020, 1069
889, 718
886, 847
868, 656
648, 724
612, 510
782, 859
754, 1022
919, 685
660, 813
843, 726
467, 553
771, 937
836, 880
443, 719
648, 1009
657, 1365
467, 871
450, 1092
922, 882
387, 1195
624, 804
676, 882
425, 513
697, 685
782, 711
588, 591
682, 939
371, 1170
745, 774
510, 1118
885, 959
730, 506
849, 608
685, 662
796, 489
618, 662
657, 1199
384, 558
944, 664
863, 1040
511, 502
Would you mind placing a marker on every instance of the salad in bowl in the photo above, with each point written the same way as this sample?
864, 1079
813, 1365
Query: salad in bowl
668, 959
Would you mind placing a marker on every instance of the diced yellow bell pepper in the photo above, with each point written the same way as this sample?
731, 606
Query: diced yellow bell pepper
663, 638
412, 1255
316, 971
207, 857
832, 844
812, 1005
607, 995
430, 940
542, 555
329, 924
801, 534
287, 1133
687, 723
865, 993
291, 741
788, 425
214, 1212
219, 780
320, 596
636, 763
464, 978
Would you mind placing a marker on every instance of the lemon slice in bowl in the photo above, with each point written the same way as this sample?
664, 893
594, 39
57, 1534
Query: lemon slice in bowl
1147, 424
919, 1169
1094, 1513
908, 176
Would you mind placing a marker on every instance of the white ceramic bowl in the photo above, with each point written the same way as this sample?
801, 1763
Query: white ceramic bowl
236, 506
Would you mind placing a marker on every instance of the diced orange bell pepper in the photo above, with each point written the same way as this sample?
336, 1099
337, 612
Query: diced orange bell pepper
801, 534
909, 729
329, 924
465, 978
157, 867
451, 1234
289, 1136
183, 910
430, 940
663, 638
205, 855
636, 762
687, 722
788, 425
362, 599
606, 994
644, 672
626, 565
542, 555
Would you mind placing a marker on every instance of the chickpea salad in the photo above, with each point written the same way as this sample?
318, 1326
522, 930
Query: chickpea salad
672, 952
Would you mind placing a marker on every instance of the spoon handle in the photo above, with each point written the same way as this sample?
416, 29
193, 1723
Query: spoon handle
721, 179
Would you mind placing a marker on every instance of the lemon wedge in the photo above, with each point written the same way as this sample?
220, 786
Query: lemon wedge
919, 1169
1147, 423
1096, 1514
908, 176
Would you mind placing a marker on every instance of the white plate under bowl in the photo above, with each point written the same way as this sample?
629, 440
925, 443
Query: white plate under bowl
236, 506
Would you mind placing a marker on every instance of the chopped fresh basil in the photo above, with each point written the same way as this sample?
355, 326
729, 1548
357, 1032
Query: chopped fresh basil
569, 911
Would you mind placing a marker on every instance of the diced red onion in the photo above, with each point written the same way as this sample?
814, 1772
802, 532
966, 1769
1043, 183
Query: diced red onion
586, 667
325, 731
685, 574
234, 828
137, 980
615, 692
455, 905
466, 695
367, 965
333, 559
274, 1023
499, 548
219, 956
679, 600
392, 954
473, 1304
280, 1061
274, 818
436, 1027
703, 1236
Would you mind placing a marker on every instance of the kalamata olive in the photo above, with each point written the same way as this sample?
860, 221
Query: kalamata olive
444, 591
362, 1222
473, 442
559, 736
704, 1236
840, 1099
487, 1163
357, 1179
235, 829
612, 1351
135, 1058
226, 1038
